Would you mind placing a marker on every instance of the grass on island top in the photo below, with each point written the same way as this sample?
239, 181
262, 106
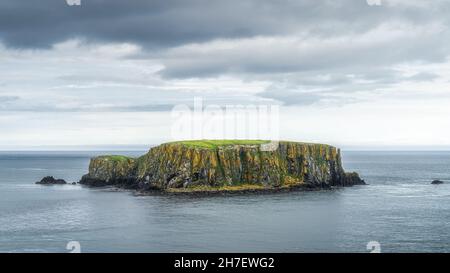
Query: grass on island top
115, 157
214, 144
206, 144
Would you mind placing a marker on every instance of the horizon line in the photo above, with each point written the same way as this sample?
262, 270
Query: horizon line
142, 147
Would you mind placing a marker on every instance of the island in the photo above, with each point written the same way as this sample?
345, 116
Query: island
208, 166
437, 182
50, 180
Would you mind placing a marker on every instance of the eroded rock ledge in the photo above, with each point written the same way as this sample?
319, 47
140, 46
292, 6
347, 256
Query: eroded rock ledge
214, 166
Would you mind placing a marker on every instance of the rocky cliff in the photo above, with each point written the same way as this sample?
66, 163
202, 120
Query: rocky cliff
227, 165
111, 170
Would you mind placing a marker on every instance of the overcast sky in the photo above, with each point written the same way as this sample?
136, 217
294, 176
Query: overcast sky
109, 71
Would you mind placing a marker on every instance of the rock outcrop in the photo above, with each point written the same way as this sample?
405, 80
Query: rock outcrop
110, 170
224, 165
50, 180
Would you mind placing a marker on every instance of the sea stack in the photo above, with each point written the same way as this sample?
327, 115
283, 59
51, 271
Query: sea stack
224, 165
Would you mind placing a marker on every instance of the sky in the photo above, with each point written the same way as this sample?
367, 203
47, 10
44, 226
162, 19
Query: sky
351, 73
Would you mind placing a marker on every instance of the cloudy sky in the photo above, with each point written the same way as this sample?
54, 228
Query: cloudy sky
109, 71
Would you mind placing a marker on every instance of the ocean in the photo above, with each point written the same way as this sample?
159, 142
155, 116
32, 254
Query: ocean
399, 211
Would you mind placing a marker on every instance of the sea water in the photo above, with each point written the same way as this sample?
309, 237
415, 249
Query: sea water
399, 210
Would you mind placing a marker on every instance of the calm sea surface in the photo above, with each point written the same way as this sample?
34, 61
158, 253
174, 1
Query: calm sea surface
399, 209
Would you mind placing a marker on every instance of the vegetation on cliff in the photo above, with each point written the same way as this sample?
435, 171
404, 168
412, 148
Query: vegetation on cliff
224, 165
215, 144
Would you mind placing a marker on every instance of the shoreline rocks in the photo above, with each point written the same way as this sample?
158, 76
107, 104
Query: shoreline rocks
353, 179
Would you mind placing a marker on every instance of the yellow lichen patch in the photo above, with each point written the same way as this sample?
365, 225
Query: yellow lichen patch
290, 181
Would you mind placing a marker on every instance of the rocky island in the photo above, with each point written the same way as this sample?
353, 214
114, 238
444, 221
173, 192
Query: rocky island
50, 180
224, 166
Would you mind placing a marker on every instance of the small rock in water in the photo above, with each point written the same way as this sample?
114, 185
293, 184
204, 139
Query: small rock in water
436, 182
50, 180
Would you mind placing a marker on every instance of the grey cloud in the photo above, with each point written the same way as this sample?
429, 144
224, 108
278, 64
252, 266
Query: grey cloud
337, 88
154, 101
151, 23
256, 56
423, 76
136, 80
293, 97
85, 108
319, 49
164, 27
176, 22
5, 99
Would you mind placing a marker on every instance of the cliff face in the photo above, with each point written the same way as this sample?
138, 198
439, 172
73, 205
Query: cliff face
190, 165
110, 170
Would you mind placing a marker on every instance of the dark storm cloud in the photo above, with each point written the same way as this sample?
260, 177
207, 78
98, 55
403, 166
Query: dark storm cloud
169, 25
174, 22
307, 50
151, 23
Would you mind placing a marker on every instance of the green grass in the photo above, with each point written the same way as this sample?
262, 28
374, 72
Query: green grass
214, 144
116, 157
